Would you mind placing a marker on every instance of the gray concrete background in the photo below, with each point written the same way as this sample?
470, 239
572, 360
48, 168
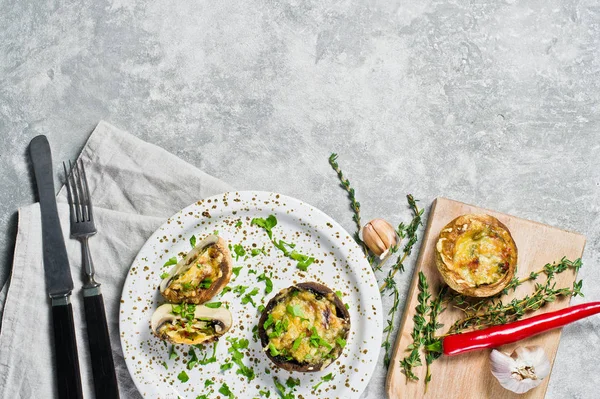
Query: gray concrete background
493, 103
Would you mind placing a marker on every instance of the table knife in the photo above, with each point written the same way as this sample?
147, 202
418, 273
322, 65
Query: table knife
59, 282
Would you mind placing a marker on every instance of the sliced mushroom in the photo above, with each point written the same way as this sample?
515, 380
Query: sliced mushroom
201, 274
190, 324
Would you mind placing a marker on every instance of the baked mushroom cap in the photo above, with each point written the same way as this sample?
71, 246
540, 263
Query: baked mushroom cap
201, 274
309, 330
476, 255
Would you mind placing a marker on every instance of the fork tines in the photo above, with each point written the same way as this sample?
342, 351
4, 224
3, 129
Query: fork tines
78, 193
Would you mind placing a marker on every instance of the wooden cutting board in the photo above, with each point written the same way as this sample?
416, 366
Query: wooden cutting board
469, 376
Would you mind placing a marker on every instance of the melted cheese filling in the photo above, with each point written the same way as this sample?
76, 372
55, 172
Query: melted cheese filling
203, 271
311, 327
181, 332
480, 257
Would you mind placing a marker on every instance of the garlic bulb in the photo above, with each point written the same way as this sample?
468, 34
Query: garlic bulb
379, 236
523, 370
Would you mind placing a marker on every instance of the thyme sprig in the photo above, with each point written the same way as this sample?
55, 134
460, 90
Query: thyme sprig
404, 232
433, 344
354, 204
410, 234
414, 358
493, 311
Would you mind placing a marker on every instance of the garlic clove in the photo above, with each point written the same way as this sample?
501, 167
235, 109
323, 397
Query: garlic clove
523, 370
379, 236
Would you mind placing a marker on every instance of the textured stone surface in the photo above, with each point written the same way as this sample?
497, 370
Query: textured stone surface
492, 103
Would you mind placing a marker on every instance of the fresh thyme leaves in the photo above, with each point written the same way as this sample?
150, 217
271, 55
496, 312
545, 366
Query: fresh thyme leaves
421, 310
493, 311
433, 344
408, 232
267, 224
183, 377
325, 378
237, 345
354, 204
193, 241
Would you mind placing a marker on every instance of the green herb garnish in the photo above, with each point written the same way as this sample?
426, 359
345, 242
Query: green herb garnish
267, 224
213, 305
325, 378
183, 377
193, 241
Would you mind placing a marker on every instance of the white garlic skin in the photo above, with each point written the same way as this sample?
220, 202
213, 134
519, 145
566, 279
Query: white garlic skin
379, 236
523, 370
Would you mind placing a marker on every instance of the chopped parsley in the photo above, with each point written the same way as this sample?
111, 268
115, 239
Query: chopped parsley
295, 310
238, 224
268, 283
226, 391
193, 241
206, 283
165, 365
183, 377
341, 342
213, 305
226, 366
267, 224
237, 345
257, 251
298, 341
172, 353
248, 297
208, 383
171, 261
236, 270
239, 251
283, 391
325, 378
164, 275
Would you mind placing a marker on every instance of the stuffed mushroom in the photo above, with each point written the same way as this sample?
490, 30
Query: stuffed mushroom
476, 255
201, 274
304, 327
190, 324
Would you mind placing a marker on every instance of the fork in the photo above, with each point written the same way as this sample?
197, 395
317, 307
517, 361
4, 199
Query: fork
83, 227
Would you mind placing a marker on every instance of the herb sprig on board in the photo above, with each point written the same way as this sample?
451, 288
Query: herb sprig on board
489, 312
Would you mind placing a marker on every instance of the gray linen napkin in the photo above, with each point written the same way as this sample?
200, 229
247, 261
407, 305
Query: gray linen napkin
134, 187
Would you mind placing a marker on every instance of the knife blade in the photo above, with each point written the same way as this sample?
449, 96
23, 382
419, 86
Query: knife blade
59, 282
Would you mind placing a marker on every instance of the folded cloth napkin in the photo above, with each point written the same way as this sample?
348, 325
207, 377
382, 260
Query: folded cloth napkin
134, 187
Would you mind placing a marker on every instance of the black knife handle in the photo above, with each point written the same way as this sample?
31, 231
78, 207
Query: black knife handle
103, 367
67, 362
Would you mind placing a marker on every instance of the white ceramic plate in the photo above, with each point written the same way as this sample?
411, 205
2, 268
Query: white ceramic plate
340, 264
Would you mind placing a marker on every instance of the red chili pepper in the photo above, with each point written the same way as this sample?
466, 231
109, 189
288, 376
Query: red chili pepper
508, 333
